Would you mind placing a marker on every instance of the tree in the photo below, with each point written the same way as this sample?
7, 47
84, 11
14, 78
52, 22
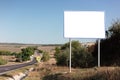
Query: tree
25, 54
110, 47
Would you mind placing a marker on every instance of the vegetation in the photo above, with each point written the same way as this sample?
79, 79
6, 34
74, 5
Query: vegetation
87, 74
110, 47
3, 61
45, 56
80, 56
25, 54
7, 53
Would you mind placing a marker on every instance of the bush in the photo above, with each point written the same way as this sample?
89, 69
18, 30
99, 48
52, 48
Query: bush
82, 59
80, 56
25, 54
2, 61
19, 57
45, 56
62, 58
7, 53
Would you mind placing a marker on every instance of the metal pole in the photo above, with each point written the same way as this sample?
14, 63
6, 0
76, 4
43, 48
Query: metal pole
98, 52
70, 55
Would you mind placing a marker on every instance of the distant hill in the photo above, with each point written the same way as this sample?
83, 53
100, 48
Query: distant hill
30, 44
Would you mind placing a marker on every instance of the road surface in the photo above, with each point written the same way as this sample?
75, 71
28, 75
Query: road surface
5, 69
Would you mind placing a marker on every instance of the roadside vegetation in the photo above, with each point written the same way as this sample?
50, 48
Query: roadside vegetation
25, 54
45, 56
103, 73
2, 61
7, 53
22, 56
84, 59
80, 55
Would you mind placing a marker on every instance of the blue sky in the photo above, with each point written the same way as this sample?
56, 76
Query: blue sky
41, 21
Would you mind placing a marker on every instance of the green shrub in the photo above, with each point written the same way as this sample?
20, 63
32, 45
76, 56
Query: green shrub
45, 56
7, 53
2, 61
80, 56
62, 58
25, 54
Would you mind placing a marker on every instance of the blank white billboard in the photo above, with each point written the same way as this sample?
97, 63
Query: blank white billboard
84, 24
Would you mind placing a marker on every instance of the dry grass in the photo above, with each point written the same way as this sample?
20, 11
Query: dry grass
44, 68
17, 48
103, 73
49, 71
10, 48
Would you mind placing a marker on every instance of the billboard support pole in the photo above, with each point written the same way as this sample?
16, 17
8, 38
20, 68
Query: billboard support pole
98, 52
70, 55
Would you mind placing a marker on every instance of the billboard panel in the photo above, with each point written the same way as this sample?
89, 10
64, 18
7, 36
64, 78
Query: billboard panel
84, 24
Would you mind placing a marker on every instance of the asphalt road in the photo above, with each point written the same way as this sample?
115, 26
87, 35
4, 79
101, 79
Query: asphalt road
5, 69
